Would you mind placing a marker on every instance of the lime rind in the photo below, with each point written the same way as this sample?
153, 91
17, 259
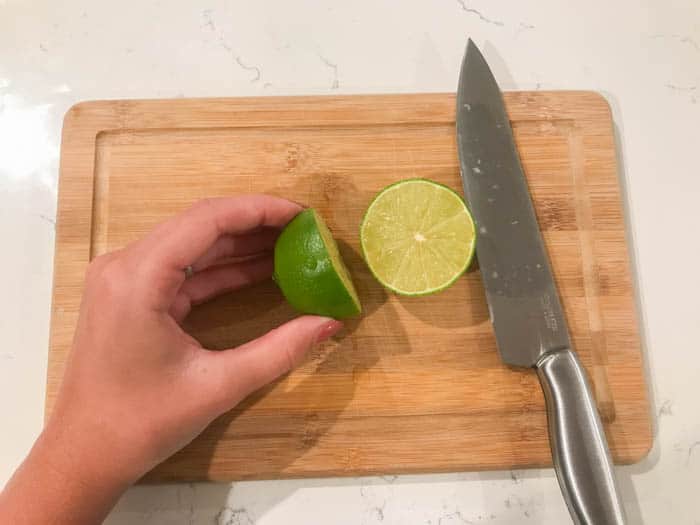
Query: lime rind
309, 269
458, 269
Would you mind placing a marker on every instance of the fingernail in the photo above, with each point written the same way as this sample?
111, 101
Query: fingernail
327, 330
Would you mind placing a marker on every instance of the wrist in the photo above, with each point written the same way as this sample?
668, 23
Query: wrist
79, 459
56, 483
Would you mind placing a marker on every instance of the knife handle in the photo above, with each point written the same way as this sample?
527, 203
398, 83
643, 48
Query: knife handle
580, 451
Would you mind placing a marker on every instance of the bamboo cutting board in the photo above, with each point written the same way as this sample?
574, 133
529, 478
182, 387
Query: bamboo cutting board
416, 385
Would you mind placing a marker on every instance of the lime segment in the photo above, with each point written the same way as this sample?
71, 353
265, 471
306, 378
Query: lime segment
310, 271
417, 237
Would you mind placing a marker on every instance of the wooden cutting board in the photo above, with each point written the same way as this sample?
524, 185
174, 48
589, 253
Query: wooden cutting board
416, 385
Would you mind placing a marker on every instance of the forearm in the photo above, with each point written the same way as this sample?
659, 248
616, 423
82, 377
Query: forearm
54, 486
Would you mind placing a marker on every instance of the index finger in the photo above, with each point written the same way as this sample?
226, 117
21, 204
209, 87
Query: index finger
178, 242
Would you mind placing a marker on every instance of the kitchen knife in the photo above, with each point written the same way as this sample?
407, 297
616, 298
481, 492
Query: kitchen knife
524, 306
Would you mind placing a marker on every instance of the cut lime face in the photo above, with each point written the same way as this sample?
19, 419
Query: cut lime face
310, 271
417, 237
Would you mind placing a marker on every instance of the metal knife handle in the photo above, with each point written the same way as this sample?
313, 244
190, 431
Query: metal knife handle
580, 451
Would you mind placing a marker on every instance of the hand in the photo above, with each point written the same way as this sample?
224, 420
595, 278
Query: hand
137, 388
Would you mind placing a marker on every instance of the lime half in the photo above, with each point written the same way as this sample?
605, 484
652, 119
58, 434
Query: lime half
310, 271
417, 237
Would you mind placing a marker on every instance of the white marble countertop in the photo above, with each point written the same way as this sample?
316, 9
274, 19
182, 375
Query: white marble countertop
643, 56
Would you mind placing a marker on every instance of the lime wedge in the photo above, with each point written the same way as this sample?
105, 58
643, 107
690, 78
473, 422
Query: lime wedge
417, 237
310, 271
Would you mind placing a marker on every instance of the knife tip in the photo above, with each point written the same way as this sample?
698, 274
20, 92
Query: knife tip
472, 49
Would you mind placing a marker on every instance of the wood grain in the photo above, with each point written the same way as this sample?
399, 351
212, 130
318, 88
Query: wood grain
416, 385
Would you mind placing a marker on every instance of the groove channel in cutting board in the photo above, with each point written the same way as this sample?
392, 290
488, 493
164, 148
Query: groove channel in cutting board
416, 385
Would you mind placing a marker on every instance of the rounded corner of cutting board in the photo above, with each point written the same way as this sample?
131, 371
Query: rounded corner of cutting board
641, 451
597, 102
81, 110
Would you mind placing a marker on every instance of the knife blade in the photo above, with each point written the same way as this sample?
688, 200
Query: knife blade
527, 316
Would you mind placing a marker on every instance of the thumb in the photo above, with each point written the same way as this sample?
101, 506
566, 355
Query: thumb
251, 366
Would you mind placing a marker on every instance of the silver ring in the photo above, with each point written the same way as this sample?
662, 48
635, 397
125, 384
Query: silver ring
189, 271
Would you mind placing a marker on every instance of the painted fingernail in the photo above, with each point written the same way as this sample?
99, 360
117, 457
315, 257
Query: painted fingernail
327, 330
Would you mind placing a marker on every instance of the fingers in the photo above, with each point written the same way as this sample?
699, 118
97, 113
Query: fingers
217, 280
241, 371
237, 246
181, 241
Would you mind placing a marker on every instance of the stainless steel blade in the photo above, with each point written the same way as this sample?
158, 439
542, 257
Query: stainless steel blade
523, 301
